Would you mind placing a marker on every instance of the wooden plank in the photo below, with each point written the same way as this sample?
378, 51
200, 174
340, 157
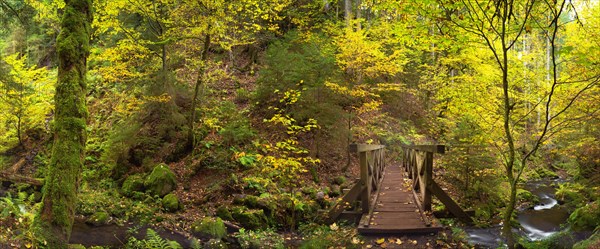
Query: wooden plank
365, 147
395, 230
449, 203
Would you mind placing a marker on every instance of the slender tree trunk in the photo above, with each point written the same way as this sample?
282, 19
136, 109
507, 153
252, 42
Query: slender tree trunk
200, 78
507, 228
55, 219
347, 11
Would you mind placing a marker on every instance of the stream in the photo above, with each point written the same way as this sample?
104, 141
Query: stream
537, 223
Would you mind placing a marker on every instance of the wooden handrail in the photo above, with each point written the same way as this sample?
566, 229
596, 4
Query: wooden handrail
417, 160
372, 163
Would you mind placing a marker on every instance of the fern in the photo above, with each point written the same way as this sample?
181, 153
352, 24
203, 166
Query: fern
152, 241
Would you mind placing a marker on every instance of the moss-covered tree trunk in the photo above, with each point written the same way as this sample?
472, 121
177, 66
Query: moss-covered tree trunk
55, 220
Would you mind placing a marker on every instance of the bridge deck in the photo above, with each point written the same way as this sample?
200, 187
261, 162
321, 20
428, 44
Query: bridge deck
396, 210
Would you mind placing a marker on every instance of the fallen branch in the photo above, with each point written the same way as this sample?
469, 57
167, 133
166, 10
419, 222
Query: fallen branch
21, 179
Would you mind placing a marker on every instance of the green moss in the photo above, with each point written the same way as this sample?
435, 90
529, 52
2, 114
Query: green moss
249, 218
213, 227
526, 196
223, 213
339, 180
76, 246
98, 218
133, 183
170, 202
161, 181
586, 217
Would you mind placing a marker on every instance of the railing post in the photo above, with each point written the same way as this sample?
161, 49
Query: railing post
365, 181
427, 177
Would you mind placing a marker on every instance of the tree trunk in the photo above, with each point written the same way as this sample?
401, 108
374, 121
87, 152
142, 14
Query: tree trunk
201, 71
55, 220
347, 11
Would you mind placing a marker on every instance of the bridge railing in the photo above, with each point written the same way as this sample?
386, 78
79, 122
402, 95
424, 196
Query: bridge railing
372, 163
417, 161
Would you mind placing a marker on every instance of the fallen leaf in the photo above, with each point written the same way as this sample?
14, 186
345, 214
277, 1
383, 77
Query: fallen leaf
414, 242
355, 240
398, 242
333, 227
380, 241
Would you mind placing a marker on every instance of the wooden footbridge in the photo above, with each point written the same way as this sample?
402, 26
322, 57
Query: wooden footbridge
396, 199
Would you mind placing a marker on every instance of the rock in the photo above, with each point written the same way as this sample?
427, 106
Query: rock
133, 183
339, 180
161, 181
223, 213
210, 227
98, 218
215, 244
320, 196
249, 218
170, 202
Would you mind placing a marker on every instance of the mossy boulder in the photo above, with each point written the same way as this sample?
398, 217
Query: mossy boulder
132, 184
339, 180
210, 227
98, 218
250, 218
170, 202
524, 195
224, 213
586, 217
161, 181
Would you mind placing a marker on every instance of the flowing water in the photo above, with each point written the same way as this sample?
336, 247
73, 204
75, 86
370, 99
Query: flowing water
538, 222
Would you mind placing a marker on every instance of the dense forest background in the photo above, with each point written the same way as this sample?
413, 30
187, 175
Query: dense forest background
245, 109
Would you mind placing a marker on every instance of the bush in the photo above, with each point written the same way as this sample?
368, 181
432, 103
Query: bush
586, 217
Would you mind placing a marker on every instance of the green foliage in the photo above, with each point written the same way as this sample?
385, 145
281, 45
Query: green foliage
27, 99
257, 239
16, 217
573, 194
334, 236
586, 217
161, 181
152, 241
209, 226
